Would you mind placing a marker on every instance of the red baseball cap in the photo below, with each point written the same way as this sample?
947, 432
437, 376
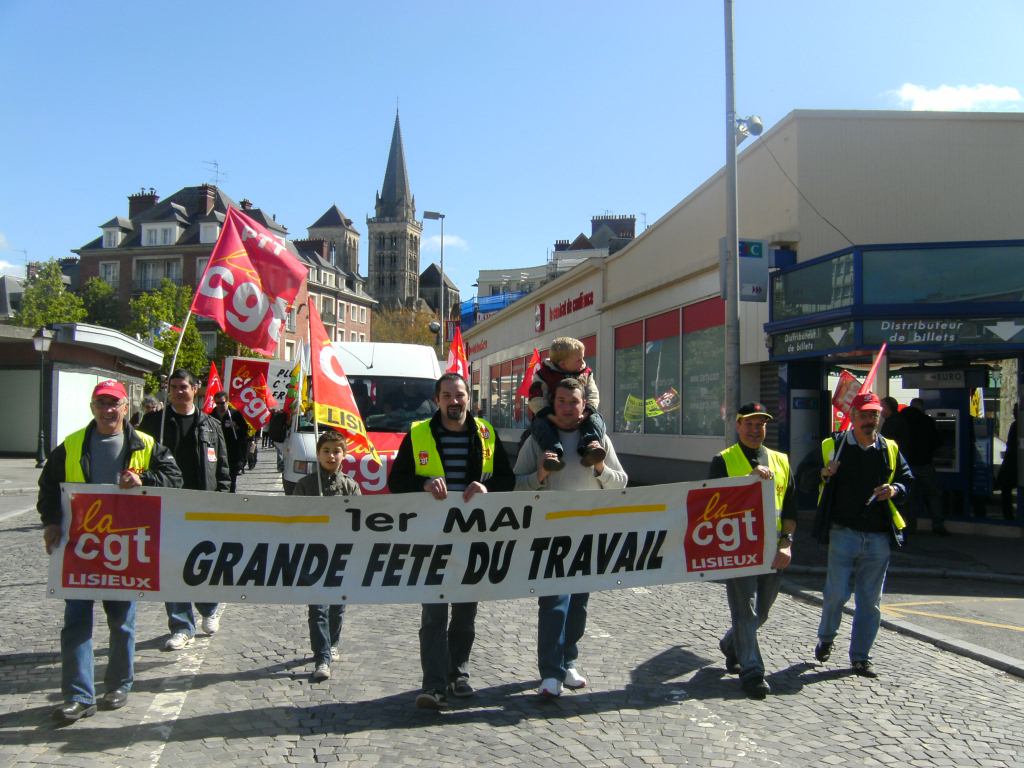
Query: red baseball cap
867, 401
110, 387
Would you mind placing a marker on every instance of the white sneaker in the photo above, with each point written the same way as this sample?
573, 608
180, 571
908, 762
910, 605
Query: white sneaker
322, 671
335, 653
211, 623
550, 688
177, 641
574, 680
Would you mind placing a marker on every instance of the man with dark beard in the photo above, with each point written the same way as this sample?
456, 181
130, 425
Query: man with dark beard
451, 451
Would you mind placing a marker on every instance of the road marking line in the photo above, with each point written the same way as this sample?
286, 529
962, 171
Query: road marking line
977, 622
15, 513
167, 705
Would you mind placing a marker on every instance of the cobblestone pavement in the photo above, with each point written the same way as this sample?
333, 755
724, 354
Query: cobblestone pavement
658, 693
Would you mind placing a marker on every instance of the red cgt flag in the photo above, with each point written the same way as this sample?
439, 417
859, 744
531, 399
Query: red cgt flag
333, 402
524, 386
213, 386
457, 360
249, 284
869, 382
251, 399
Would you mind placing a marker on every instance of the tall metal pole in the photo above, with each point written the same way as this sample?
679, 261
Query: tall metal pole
444, 325
41, 448
732, 303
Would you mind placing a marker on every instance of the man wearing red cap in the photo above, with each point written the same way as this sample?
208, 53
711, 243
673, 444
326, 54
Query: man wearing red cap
752, 597
859, 475
108, 450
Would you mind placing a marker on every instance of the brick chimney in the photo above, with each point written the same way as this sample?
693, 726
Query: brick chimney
246, 204
207, 195
141, 201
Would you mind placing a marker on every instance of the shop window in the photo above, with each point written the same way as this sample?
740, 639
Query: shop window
661, 374
819, 287
704, 368
629, 366
518, 402
494, 393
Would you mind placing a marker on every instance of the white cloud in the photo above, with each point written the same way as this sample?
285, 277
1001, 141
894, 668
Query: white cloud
8, 268
432, 244
961, 98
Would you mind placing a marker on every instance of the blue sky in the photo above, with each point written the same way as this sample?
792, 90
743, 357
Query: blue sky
520, 120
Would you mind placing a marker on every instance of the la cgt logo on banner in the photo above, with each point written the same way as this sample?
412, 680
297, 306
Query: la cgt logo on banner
724, 528
113, 542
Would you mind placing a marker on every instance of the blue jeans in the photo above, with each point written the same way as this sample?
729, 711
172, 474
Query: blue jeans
750, 600
324, 630
181, 619
561, 622
857, 563
444, 646
76, 657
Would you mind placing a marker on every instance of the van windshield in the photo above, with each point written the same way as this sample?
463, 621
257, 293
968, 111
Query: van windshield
392, 403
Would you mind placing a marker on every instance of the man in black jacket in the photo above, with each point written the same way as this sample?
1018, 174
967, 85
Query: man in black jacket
197, 442
451, 451
236, 435
110, 451
859, 474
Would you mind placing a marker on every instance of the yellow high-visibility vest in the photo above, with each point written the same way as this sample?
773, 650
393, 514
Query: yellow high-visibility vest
828, 450
427, 458
73, 443
737, 465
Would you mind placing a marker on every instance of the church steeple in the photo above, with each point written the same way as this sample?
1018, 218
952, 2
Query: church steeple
394, 234
395, 199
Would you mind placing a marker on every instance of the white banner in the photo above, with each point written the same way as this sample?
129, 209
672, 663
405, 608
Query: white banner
175, 545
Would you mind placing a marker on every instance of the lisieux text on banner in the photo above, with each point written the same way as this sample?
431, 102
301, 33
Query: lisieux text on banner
177, 545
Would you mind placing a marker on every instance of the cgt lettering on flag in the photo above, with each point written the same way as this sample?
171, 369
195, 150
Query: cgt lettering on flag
249, 284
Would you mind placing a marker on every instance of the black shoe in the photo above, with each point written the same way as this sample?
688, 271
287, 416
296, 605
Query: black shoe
460, 688
732, 664
70, 711
554, 465
756, 688
593, 456
114, 699
431, 700
864, 669
823, 650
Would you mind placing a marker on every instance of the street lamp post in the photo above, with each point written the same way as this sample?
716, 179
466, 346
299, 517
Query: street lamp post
444, 326
736, 130
41, 341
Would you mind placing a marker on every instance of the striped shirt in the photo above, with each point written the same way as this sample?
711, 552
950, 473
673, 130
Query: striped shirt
454, 450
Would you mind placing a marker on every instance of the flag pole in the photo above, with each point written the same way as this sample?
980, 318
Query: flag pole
174, 360
312, 400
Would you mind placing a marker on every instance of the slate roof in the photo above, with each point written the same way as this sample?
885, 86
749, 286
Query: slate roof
333, 218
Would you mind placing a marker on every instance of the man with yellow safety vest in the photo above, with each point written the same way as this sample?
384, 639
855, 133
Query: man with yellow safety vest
751, 597
108, 450
451, 451
859, 475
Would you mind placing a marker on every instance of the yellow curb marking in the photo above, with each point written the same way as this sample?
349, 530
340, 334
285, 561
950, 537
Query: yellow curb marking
899, 609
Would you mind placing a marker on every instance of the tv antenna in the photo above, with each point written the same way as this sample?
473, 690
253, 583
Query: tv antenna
215, 172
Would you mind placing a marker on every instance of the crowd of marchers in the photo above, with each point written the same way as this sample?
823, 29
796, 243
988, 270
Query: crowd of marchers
860, 475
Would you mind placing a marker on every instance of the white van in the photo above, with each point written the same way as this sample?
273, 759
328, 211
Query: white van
393, 385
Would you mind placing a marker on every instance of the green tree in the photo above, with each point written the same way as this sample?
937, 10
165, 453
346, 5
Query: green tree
46, 300
100, 303
407, 326
152, 312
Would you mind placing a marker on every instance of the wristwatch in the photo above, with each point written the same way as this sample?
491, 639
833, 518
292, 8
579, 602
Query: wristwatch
786, 537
